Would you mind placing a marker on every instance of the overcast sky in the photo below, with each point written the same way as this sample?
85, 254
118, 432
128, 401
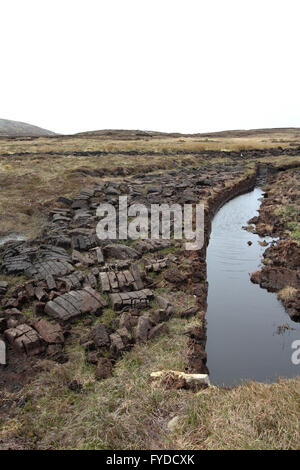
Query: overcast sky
168, 65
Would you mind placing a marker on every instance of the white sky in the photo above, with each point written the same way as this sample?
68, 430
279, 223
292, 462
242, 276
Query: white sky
169, 65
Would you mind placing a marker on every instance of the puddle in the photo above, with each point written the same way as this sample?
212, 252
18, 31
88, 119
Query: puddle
12, 237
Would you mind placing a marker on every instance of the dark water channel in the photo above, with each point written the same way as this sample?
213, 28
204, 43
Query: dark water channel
242, 319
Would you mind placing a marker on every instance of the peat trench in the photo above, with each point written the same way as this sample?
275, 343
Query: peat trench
249, 334
72, 274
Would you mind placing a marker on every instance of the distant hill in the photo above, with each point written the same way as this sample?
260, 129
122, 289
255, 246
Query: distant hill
21, 129
125, 134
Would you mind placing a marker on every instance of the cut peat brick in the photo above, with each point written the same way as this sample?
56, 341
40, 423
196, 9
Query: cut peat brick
126, 280
74, 304
51, 333
45, 269
25, 339
136, 299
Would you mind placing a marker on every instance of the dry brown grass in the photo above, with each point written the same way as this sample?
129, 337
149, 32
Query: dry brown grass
29, 189
251, 416
287, 293
30, 184
160, 143
128, 411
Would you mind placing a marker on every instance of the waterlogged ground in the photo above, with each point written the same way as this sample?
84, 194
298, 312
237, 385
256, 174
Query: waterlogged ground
10, 237
243, 339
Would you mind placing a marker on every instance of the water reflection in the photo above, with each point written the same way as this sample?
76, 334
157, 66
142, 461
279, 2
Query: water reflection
243, 340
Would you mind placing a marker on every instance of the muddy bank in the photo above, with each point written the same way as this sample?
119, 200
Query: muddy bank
282, 259
217, 199
197, 357
279, 216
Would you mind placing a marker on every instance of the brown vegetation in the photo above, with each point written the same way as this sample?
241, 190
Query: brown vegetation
64, 406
